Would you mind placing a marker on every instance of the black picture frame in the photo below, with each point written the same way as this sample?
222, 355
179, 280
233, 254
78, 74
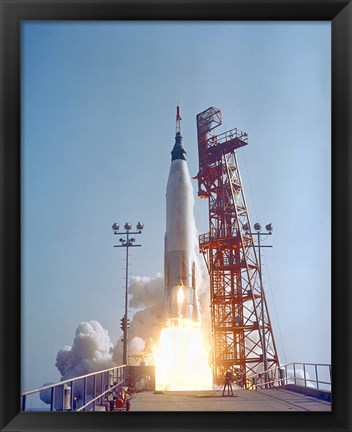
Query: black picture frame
339, 12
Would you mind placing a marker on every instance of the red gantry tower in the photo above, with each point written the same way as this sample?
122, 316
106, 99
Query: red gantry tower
242, 338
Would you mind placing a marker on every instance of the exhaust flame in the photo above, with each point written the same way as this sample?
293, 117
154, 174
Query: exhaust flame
180, 300
181, 358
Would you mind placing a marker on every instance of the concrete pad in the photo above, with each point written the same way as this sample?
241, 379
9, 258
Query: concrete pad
243, 400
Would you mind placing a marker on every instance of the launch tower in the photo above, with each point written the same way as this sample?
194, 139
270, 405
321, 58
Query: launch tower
241, 328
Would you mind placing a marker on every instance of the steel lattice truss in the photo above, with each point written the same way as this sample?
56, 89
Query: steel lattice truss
235, 291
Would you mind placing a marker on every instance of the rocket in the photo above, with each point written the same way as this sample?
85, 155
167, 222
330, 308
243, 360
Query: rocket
180, 298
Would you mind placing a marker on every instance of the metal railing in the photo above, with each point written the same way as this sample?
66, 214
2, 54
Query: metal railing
224, 137
313, 375
79, 393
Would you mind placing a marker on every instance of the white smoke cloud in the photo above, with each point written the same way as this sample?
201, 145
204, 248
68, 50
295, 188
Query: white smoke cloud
91, 351
146, 291
203, 294
147, 294
299, 378
135, 347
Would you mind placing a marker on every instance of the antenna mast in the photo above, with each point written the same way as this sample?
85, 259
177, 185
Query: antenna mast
178, 120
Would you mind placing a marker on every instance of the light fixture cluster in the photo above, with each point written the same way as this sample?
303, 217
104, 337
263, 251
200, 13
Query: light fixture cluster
257, 227
128, 227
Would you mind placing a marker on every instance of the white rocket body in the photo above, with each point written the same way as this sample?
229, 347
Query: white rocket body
180, 241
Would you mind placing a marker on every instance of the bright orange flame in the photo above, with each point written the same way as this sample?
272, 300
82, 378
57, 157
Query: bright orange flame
181, 358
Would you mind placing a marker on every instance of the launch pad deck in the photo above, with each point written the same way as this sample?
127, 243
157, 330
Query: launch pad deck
242, 400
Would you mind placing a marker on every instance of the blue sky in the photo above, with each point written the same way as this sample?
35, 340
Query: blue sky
98, 125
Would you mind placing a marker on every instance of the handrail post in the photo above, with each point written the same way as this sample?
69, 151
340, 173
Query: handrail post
94, 390
294, 372
330, 374
63, 397
84, 392
285, 381
24, 403
71, 396
101, 386
52, 398
316, 376
304, 374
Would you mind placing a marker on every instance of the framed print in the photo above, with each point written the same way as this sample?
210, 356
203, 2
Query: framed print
175, 215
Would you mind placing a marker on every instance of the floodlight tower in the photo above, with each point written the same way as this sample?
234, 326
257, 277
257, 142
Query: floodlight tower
242, 338
126, 243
